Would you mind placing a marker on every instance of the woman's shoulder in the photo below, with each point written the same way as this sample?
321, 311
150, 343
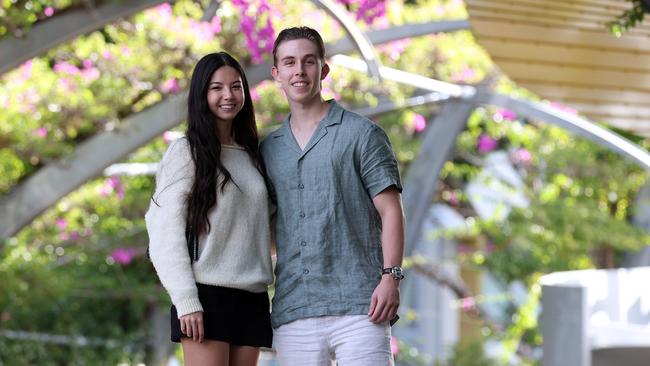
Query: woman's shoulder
178, 155
178, 149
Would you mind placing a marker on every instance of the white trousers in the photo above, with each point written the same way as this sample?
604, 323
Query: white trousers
350, 340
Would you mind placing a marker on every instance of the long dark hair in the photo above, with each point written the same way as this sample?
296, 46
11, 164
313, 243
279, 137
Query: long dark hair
204, 142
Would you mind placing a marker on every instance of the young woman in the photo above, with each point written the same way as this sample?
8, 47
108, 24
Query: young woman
210, 184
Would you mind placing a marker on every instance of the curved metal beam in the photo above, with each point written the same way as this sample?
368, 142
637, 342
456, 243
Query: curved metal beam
45, 187
62, 28
446, 90
436, 147
362, 42
576, 125
400, 32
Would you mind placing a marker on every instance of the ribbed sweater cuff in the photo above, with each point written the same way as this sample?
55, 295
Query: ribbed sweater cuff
188, 306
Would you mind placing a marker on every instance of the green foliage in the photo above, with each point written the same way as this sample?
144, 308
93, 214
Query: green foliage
472, 354
630, 17
18, 16
66, 275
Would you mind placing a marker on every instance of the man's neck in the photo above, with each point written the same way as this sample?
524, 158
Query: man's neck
308, 114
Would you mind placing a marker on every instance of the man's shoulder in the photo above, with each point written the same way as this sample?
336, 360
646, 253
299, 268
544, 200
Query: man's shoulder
271, 138
356, 122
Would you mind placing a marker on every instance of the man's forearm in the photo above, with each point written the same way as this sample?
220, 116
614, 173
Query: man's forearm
389, 207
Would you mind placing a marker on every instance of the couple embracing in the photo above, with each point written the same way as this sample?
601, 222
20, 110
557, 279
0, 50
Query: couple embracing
330, 180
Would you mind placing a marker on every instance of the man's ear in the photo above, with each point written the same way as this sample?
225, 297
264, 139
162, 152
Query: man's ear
324, 71
274, 72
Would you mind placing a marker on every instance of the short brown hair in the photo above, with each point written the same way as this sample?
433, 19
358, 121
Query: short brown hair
290, 34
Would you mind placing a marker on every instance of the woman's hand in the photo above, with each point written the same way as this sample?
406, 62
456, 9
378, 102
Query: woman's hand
192, 325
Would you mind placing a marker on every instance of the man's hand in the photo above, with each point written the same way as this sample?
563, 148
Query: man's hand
192, 326
385, 300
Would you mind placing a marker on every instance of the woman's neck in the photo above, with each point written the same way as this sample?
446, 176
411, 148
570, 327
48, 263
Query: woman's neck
224, 132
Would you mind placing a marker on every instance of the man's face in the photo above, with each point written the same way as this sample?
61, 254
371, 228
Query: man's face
299, 70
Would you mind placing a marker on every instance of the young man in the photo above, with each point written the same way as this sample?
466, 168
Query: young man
335, 181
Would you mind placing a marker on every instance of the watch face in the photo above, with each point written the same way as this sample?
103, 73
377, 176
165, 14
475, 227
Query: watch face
397, 272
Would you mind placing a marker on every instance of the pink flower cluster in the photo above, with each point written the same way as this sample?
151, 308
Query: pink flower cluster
418, 123
124, 256
366, 10
463, 76
62, 226
112, 185
170, 86
163, 15
259, 41
486, 144
88, 73
505, 114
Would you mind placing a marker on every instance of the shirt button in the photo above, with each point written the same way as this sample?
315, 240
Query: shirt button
302, 214
305, 271
303, 243
301, 186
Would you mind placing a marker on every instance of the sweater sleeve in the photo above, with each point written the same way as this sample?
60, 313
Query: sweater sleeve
165, 222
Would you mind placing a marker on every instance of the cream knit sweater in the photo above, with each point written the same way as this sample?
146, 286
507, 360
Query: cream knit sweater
235, 253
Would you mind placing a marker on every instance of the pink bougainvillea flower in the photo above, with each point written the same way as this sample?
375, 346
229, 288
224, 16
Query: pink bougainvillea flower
506, 114
61, 224
41, 132
107, 55
124, 256
486, 144
523, 156
465, 75
394, 347
26, 69
48, 11
90, 74
468, 303
255, 96
419, 123
164, 11
66, 68
112, 185
170, 86
215, 23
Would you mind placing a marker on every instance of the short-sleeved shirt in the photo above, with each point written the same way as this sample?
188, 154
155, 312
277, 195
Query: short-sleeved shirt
328, 232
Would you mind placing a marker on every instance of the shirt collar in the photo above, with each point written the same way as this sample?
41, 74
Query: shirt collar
334, 116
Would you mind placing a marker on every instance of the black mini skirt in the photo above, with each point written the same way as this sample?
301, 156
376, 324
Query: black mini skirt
231, 315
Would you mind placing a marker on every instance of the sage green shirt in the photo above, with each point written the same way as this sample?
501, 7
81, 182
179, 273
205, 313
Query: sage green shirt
328, 232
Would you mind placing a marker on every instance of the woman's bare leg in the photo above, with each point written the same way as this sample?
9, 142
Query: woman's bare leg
244, 355
208, 353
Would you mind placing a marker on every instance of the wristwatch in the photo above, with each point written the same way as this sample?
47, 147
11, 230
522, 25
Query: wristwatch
396, 272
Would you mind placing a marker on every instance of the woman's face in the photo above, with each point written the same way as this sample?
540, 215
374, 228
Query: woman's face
225, 93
